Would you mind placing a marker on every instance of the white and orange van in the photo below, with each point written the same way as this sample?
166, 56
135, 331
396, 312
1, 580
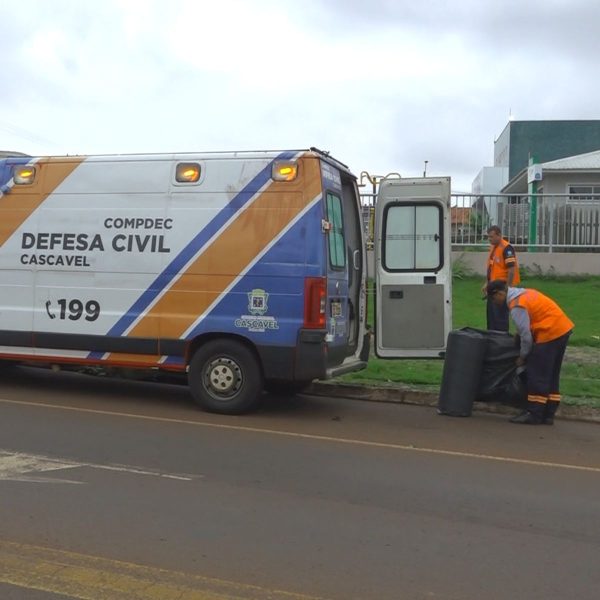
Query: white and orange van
245, 270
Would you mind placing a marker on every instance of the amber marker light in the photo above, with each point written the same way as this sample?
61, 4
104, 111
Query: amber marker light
284, 170
23, 175
187, 173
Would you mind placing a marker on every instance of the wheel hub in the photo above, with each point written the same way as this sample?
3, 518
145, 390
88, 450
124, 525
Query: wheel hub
223, 377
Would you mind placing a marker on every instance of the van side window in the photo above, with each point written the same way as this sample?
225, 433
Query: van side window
412, 237
337, 244
187, 173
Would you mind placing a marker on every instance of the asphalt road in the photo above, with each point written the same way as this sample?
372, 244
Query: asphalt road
112, 489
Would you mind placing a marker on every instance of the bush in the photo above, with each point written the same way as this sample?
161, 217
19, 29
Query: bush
460, 269
535, 271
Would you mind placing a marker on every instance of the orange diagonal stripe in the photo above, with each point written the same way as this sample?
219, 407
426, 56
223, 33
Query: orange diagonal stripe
20, 203
218, 266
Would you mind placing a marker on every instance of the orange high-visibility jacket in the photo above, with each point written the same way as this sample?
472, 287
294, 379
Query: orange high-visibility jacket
500, 261
546, 319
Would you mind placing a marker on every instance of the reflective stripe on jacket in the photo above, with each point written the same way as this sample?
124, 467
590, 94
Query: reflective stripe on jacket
546, 319
498, 264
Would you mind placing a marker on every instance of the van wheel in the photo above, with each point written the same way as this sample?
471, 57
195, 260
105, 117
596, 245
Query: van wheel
225, 377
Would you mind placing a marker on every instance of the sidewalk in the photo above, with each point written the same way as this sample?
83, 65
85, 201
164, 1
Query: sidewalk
427, 397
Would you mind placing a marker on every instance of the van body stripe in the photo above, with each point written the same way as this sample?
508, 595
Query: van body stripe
192, 330
28, 198
186, 255
220, 264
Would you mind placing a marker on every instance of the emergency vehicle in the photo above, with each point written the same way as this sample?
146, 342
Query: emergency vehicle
244, 270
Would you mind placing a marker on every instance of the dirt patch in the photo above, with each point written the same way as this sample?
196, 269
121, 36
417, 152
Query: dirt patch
582, 355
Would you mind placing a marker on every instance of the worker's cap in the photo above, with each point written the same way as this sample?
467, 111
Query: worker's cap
497, 285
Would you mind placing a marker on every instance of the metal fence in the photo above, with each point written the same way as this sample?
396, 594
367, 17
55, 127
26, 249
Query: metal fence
563, 223
367, 203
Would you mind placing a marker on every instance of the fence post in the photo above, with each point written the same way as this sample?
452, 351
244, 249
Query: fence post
552, 205
533, 186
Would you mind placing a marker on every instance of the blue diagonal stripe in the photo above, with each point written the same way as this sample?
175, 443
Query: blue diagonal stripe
6, 170
179, 262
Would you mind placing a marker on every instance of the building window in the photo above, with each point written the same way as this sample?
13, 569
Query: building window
584, 194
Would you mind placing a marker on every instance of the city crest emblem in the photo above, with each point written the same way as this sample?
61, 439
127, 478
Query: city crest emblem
257, 302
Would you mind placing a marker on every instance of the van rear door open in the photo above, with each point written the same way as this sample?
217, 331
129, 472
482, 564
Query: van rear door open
412, 268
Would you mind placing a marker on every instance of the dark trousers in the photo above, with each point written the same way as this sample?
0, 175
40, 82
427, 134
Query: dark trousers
543, 369
497, 316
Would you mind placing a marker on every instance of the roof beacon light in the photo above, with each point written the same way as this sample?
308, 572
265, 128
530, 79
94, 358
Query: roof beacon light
285, 170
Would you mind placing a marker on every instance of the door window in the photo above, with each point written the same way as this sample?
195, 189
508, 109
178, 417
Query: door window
337, 244
412, 238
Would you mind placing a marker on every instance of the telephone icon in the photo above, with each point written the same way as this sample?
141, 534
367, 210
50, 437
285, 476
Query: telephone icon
51, 315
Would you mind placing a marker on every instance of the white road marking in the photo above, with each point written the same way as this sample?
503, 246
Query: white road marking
138, 471
15, 466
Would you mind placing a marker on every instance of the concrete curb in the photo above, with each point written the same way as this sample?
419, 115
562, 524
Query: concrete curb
408, 395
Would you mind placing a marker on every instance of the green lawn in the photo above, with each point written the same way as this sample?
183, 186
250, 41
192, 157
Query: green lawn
579, 298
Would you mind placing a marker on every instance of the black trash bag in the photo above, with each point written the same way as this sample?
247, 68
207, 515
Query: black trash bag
463, 364
515, 392
499, 365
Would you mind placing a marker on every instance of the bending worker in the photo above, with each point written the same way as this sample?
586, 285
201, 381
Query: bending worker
544, 330
501, 264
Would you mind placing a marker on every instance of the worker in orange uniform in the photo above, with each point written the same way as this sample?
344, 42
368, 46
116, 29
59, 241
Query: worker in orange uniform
502, 264
544, 330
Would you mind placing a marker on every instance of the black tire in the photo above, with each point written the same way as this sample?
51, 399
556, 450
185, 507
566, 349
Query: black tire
286, 388
225, 377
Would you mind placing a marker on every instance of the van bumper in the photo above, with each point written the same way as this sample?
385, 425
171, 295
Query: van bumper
304, 362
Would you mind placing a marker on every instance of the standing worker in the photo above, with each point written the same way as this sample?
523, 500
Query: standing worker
502, 264
544, 330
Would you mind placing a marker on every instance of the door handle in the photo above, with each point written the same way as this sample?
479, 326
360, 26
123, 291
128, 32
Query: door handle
355, 260
397, 294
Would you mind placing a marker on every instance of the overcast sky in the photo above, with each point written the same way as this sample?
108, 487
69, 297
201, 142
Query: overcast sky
382, 84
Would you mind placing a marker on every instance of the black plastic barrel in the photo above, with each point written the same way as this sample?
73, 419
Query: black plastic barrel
463, 364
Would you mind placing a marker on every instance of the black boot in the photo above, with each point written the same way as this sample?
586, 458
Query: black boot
549, 413
532, 415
